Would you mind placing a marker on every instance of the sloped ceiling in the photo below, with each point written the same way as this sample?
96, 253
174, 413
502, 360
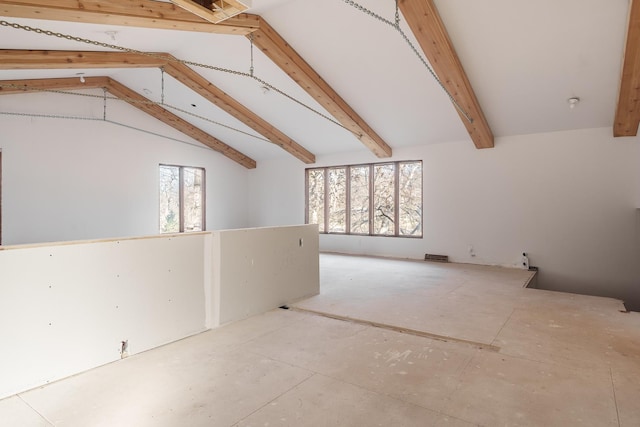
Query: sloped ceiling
523, 59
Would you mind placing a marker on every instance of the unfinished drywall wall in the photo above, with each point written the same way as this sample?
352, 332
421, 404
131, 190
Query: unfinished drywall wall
263, 268
66, 308
75, 180
566, 198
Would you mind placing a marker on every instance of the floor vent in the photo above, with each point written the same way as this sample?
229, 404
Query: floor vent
433, 257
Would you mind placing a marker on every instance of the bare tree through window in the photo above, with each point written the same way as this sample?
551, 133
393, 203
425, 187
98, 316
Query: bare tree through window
192, 206
315, 197
410, 194
383, 199
359, 199
181, 199
169, 199
337, 200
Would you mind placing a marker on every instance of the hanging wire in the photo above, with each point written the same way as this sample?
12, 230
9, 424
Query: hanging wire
173, 59
397, 15
51, 116
217, 123
134, 101
161, 85
158, 134
251, 47
96, 119
104, 105
396, 26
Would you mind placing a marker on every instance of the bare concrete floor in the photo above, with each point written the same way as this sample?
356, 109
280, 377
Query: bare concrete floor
515, 356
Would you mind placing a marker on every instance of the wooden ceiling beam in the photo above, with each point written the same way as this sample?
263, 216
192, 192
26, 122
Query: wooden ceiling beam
59, 59
628, 109
427, 26
26, 59
9, 87
218, 97
283, 55
132, 13
133, 98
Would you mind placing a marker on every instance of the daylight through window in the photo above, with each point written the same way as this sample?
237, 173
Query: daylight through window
382, 199
181, 199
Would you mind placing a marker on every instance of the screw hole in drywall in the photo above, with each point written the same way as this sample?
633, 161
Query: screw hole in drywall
300, 242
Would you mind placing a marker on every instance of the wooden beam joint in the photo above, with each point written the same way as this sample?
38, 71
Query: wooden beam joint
132, 13
20, 59
214, 11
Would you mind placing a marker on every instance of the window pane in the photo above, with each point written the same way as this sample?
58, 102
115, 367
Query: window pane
337, 200
360, 199
169, 199
411, 199
383, 203
193, 199
316, 198
396, 190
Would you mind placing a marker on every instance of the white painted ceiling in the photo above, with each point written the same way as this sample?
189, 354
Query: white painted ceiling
524, 60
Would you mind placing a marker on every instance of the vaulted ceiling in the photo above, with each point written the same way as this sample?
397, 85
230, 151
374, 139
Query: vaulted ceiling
324, 77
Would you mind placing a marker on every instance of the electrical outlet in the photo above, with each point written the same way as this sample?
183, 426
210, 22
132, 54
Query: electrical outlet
524, 261
124, 349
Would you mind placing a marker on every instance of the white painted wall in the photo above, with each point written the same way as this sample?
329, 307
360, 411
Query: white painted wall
638, 183
72, 180
66, 308
276, 193
566, 198
263, 268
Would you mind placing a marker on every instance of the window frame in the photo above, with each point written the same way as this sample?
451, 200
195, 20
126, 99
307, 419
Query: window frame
181, 206
371, 181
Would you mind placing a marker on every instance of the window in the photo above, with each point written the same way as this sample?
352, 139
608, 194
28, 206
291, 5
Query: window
337, 189
359, 209
181, 199
382, 199
315, 197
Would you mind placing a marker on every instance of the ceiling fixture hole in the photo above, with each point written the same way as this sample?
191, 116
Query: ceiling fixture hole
573, 101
